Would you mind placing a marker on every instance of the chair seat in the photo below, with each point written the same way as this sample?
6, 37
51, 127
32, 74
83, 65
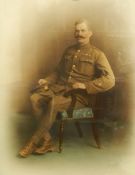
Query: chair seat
78, 114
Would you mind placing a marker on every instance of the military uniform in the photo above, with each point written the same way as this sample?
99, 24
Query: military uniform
85, 64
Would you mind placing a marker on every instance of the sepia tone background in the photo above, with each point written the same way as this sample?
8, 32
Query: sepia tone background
34, 35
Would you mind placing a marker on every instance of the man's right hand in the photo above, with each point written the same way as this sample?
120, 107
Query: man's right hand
42, 82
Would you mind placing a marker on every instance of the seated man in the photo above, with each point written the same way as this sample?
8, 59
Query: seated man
83, 70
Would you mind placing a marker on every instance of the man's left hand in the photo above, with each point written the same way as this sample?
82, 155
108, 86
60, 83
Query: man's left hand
79, 86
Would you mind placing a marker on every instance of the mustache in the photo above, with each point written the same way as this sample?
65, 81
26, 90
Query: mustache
79, 37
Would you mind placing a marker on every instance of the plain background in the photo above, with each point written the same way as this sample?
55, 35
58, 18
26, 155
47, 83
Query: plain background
33, 36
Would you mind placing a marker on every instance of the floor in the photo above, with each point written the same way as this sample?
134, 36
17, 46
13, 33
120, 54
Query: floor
79, 156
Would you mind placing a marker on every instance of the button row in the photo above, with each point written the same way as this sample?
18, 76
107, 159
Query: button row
75, 56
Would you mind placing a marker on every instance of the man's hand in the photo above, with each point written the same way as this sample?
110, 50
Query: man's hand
42, 82
79, 86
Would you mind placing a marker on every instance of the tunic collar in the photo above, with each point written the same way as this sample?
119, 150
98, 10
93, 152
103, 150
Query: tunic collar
83, 47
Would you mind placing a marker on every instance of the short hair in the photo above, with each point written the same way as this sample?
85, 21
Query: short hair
83, 21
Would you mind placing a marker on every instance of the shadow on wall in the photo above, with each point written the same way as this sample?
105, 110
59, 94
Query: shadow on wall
46, 33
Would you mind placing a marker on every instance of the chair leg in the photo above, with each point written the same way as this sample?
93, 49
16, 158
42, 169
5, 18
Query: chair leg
61, 129
95, 134
77, 124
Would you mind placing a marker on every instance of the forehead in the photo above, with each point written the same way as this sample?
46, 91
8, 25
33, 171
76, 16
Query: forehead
81, 26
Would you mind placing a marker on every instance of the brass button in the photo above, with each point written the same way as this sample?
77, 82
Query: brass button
75, 56
78, 50
73, 66
100, 84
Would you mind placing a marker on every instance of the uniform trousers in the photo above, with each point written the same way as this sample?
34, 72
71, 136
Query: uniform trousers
46, 105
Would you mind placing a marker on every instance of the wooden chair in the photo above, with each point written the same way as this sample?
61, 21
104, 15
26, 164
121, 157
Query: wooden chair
102, 104
78, 115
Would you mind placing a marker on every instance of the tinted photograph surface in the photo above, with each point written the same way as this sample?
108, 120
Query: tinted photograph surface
67, 87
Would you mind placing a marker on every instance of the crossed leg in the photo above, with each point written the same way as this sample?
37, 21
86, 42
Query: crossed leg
55, 104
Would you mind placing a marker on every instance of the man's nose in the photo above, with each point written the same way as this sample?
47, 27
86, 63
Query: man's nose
79, 32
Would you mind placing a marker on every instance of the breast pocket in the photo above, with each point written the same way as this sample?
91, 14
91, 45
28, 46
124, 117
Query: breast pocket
86, 66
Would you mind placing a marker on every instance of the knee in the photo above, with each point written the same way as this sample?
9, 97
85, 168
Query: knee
35, 98
38, 101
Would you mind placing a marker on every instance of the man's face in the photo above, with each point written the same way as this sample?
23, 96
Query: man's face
82, 33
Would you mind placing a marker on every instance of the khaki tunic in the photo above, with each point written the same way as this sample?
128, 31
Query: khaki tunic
85, 64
